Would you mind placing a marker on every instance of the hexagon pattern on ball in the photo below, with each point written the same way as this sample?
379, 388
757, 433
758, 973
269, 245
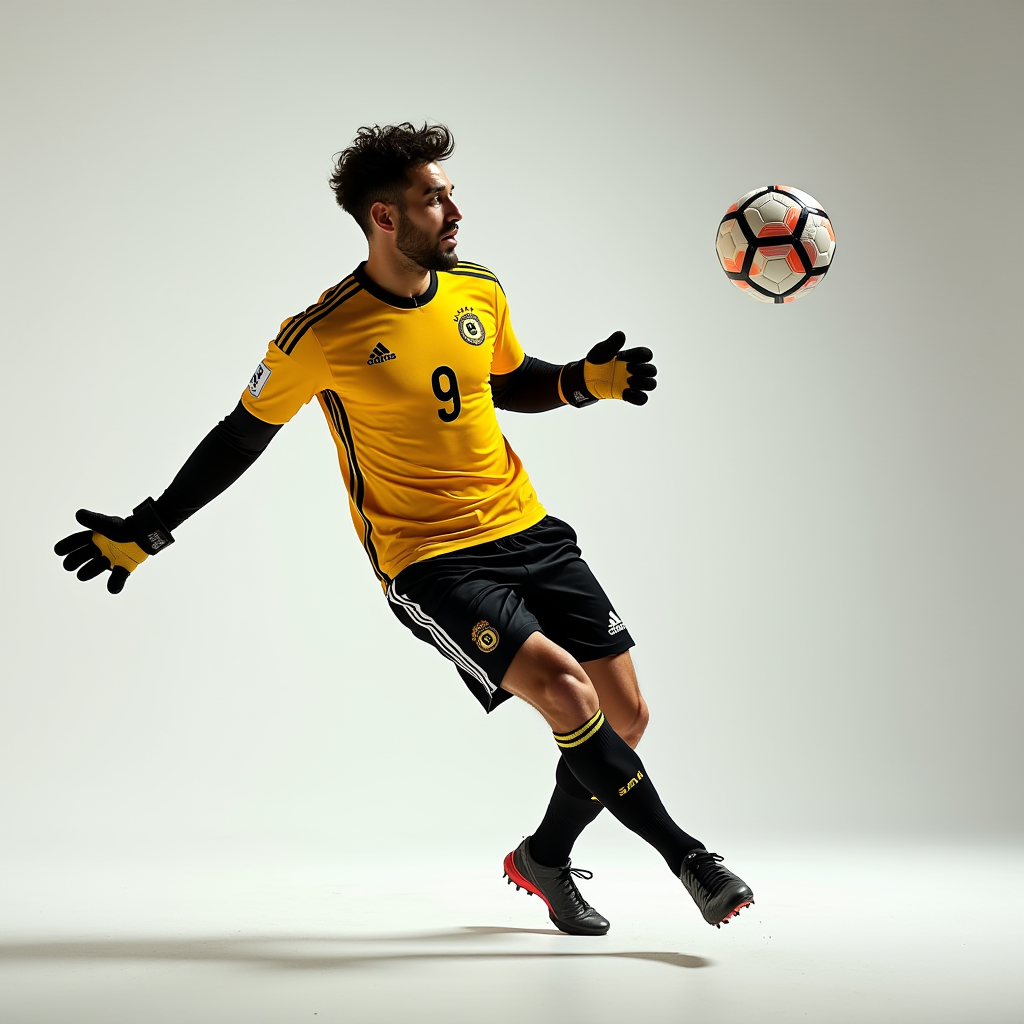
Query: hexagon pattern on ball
777, 268
775, 243
818, 239
772, 214
731, 245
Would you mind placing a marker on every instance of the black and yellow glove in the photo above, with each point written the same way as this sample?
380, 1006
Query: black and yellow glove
114, 544
608, 372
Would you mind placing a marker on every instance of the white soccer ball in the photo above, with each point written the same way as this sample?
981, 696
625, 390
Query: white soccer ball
775, 243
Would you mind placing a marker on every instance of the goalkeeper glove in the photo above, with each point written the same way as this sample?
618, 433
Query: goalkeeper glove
609, 373
114, 544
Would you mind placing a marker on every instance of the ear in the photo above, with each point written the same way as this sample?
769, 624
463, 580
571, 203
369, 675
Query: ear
382, 218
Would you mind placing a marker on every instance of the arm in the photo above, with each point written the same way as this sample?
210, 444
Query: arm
530, 387
110, 542
606, 372
293, 370
523, 383
219, 460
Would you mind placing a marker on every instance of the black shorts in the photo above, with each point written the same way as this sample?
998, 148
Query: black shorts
478, 605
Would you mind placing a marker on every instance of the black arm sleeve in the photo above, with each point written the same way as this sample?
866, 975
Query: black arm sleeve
530, 387
221, 458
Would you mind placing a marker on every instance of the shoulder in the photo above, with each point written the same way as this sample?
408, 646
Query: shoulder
295, 327
476, 270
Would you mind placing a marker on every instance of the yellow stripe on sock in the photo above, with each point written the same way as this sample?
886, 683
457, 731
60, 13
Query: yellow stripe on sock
560, 736
583, 733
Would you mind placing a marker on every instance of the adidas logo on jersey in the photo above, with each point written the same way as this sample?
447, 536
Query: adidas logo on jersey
380, 355
615, 624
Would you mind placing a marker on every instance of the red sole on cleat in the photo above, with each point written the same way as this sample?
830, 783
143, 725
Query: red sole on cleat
520, 882
735, 913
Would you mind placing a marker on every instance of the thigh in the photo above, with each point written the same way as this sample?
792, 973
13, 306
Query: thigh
469, 614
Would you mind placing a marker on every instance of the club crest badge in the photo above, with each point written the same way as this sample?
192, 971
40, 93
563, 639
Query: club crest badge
485, 636
471, 329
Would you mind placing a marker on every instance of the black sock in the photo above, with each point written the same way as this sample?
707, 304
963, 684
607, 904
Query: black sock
570, 810
606, 766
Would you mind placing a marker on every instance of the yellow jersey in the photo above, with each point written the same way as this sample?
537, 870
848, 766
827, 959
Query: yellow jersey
405, 386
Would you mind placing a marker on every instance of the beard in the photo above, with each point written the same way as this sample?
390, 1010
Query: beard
423, 248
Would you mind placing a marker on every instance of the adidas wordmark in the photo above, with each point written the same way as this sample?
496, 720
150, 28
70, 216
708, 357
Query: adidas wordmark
380, 354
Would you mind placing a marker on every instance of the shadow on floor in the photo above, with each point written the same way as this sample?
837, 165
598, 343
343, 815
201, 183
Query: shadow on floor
320, 952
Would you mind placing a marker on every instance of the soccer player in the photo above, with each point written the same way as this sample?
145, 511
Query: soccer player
408, 357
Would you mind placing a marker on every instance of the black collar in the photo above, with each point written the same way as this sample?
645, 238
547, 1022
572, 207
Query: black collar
399, 301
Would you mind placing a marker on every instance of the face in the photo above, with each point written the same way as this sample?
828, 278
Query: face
428, 224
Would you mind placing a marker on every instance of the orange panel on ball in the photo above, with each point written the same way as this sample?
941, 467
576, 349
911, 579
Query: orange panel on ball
735, 265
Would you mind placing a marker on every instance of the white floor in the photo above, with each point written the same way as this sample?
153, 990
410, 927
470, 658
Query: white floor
886, 934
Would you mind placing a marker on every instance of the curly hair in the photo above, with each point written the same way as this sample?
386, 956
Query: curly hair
374, 168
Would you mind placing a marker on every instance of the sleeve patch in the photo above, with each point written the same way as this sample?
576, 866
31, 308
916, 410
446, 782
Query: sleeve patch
258, 379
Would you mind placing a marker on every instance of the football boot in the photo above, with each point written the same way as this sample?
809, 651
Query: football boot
567, 908
718, 893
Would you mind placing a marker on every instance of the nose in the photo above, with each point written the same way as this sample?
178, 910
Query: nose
452, 212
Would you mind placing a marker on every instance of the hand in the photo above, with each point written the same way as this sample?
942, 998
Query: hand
110, 543
608, 372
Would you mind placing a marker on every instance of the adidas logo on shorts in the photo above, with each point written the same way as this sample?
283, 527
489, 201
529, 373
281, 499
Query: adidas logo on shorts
615, 624
380, 355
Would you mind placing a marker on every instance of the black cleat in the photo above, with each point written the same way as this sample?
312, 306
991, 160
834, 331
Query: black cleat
568, 910
716, 890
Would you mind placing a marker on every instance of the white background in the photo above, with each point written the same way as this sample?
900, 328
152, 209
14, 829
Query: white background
813, 531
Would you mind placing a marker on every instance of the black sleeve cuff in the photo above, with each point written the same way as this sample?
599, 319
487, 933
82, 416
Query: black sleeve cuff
573, 385
152, 535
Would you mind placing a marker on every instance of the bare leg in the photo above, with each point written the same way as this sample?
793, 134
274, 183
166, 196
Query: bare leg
619, 695
552, 681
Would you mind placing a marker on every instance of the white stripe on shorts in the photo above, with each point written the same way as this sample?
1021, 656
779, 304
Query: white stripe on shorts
445, 644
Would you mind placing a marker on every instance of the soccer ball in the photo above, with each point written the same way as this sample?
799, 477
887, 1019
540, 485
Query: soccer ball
775, 243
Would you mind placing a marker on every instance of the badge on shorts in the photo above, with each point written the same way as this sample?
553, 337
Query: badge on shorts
485, 636
471, 328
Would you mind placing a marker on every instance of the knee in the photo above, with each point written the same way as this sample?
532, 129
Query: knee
552, 681
555, 684
567, 696
633, 730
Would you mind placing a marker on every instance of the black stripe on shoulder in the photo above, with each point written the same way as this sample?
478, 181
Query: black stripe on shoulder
297, 326
326, 297
473, 273
357, 485
464, 266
